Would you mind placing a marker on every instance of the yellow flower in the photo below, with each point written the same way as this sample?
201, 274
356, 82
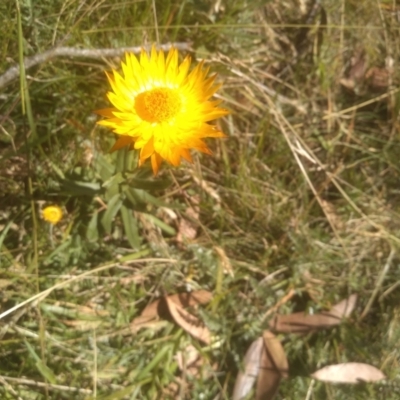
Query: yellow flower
52, 214
161, 108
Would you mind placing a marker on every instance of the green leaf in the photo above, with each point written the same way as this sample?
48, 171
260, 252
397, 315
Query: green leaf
135, 256
59, 250
120, 394
154, 362
103, 168
124, 159
131, 227
46, 372
148, 184
92, 232
4, 234
113, 207
162, 225
117, 178
142, 197
113, 185
80, 188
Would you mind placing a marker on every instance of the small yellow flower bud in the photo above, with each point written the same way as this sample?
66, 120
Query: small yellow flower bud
52, 214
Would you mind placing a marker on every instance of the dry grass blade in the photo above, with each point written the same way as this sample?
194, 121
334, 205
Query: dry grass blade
304, 323
349, 373
188, 322
273, 367
246, 378
226, 264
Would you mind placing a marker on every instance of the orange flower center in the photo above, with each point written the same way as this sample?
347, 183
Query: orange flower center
158, 105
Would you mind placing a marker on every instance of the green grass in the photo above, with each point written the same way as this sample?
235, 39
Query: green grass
307, 183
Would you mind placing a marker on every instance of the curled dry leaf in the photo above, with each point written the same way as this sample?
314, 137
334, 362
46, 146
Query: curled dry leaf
344, 308
159, 308
246, 378
182, 299
304, 323
349, 373
273, 367
188, 322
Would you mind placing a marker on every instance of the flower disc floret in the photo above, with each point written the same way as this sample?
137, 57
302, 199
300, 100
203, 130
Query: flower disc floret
162, 109
158, 105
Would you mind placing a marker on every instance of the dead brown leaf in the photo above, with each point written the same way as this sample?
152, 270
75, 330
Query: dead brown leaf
246, 378
344, 308
160, 308
157, 308
273, 367
349, 373
188, 322
304, 323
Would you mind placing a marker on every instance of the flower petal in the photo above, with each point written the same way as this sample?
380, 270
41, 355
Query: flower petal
160, 108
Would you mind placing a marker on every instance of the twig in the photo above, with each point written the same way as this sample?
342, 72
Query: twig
9, 388
13, 72
28, 382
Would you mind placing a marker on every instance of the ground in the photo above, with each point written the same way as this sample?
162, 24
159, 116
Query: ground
296, 209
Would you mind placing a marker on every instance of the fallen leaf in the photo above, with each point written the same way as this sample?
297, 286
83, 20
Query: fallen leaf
188, 322
349, 373
246, 378
273, 367
344, 308
182, 299
304, 323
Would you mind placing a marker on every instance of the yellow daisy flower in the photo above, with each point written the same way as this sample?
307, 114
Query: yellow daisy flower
161, 108
52, 214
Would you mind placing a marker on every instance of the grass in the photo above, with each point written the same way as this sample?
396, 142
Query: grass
302, 196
